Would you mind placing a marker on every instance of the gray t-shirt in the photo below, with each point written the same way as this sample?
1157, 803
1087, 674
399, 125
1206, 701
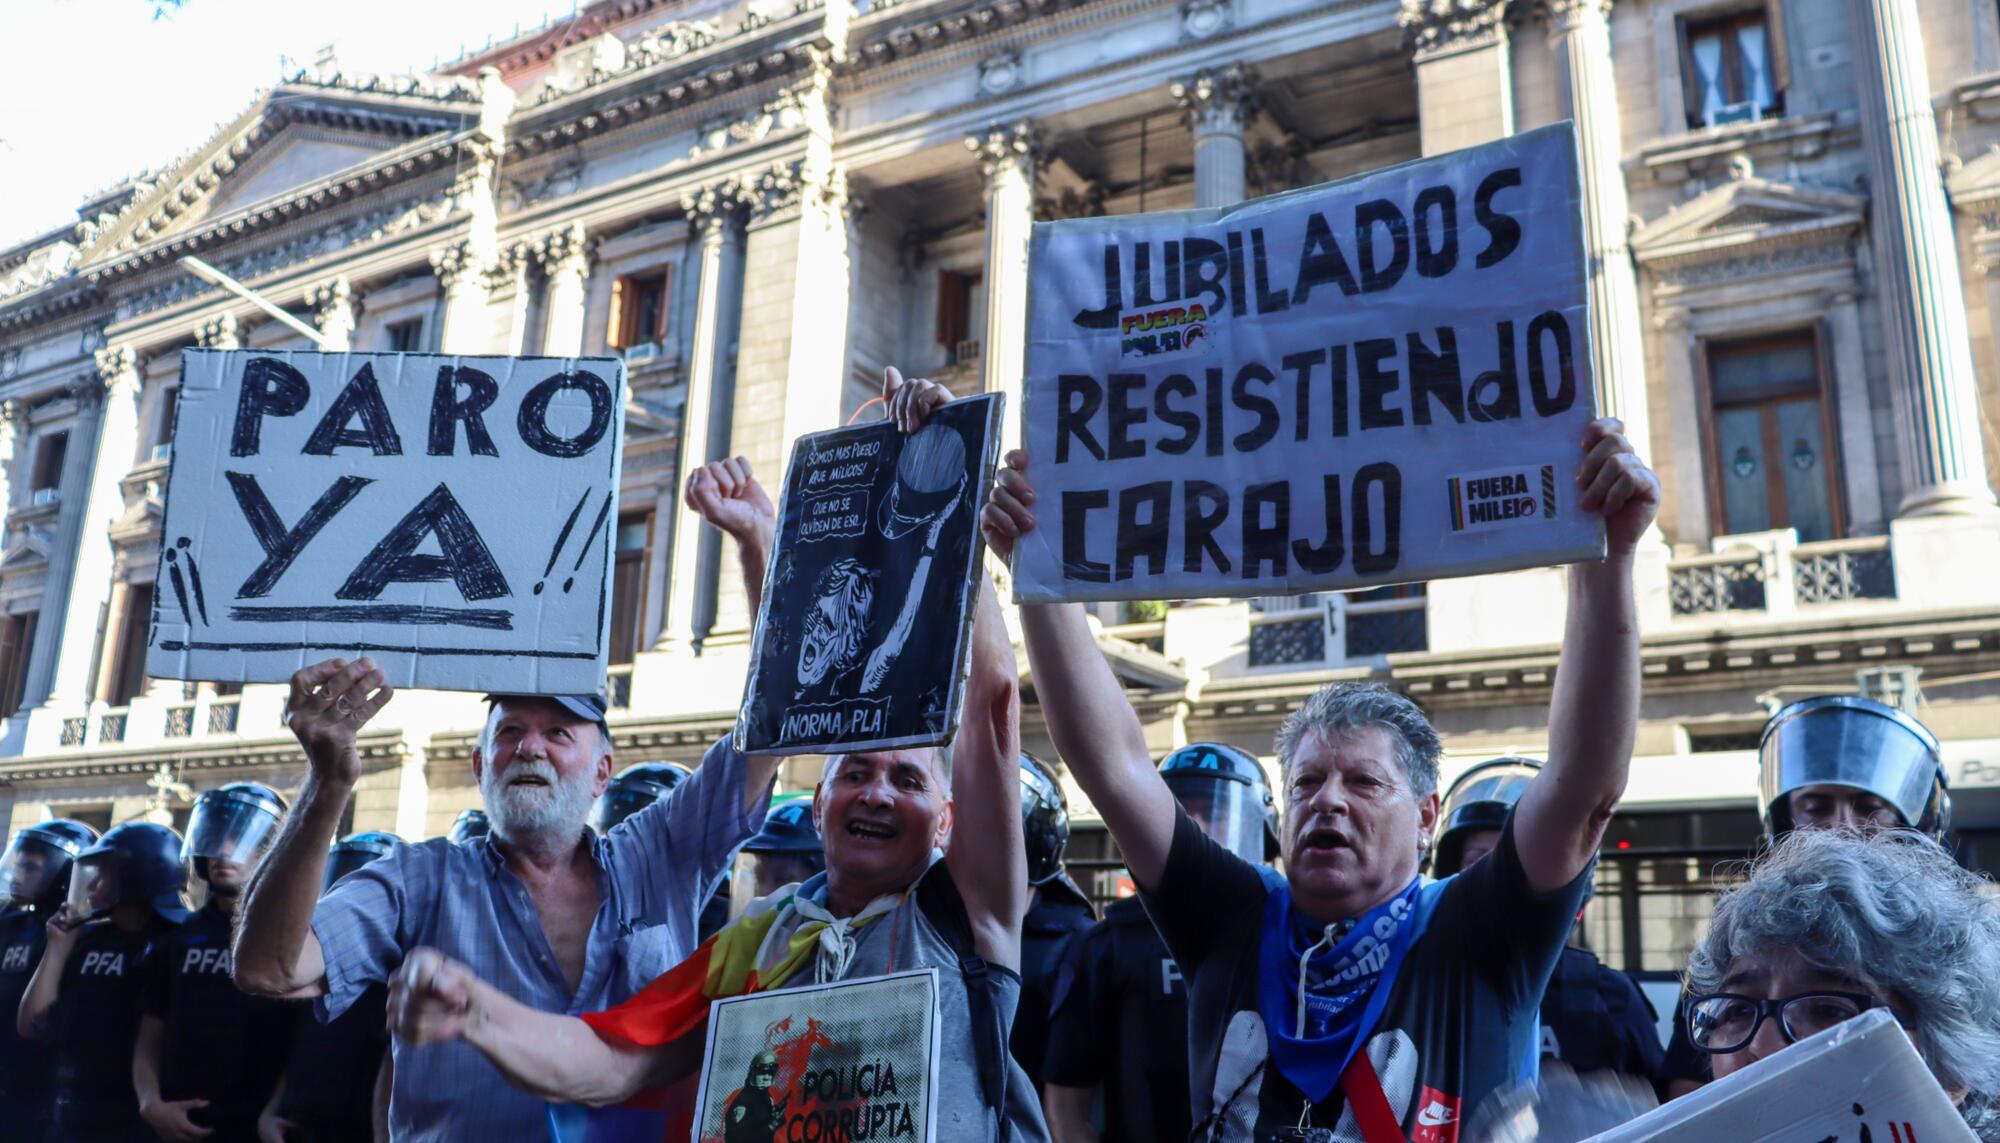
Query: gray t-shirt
905, 939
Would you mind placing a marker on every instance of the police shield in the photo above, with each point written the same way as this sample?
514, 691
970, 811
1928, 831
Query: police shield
1857, 743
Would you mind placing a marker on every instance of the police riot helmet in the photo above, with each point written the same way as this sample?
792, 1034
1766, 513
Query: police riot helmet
232, 823
35, 868
784, 852
356, 850
1856, 742
1478, 801
1226, 789
1044, 820
468, 825
636, 787
135, 864
788, 828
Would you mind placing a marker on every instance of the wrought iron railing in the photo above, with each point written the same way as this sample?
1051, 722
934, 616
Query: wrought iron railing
111, 728
222, 716
72, 730
1704, 585
1282, 642
1843, 570
180, 721
619, 687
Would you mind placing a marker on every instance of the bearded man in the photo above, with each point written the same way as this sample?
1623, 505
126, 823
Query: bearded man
560, 919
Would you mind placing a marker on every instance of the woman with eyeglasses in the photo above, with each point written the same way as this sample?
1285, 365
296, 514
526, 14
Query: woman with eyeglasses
1832, 924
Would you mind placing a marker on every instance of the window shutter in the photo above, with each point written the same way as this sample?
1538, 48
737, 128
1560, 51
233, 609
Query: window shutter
1774, 43
615, 333
953, 297
1690, 78
660, 315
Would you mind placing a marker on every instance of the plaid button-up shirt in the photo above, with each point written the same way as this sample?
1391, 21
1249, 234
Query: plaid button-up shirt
655, 872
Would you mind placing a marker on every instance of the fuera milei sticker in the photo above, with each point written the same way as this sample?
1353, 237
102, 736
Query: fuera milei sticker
1371, 381
450, 517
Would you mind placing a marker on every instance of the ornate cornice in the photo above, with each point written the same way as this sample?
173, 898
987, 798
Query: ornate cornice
1004, 148
917, 37
1437, 27
1217, 98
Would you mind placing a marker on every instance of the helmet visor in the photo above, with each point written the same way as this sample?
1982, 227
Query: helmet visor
30, 868
1841, 745
615, 805
229, 829
342, 862
762, 874
94, 886
1230, 812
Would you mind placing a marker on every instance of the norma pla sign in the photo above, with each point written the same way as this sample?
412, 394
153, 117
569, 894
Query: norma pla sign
450, 517
1371, 381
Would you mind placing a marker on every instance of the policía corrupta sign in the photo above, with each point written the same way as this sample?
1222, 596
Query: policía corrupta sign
847, 1061
863, 642
450, 517
1370, 381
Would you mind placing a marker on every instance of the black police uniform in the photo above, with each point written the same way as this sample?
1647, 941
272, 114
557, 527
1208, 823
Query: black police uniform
330, 1080
95, 1023
220, 1044
1058, 916
26, 1070
1120, 1021
1594, 1017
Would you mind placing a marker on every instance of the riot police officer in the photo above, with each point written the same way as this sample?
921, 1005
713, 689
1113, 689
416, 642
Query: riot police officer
329, 1083
1834, 761
784, 852
468, 825
35, 874
1058, 911
1119, 1018
208, 1055
638, 786
1593, 1017
125, 892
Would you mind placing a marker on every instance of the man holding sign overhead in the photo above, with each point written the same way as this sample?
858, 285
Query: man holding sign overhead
1387, 380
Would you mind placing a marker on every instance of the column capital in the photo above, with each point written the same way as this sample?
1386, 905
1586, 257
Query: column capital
219, 332
773, 189
566, 249
116, 363
332, 295
1438, 27
454, 264
1006, 148
10, 412
711, 210
1568, 15
1218, 98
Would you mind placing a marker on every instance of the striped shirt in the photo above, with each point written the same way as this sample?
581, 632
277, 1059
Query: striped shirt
655, 872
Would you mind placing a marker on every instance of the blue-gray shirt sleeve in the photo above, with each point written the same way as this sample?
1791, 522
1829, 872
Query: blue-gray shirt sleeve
679, 847
370, 919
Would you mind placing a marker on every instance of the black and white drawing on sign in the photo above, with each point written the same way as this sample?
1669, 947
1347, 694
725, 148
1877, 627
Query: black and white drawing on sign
863, 637
447, 516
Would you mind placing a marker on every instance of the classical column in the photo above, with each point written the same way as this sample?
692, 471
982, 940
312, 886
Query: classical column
463, 278
1923, 304
80, 566
333, 310
1465, 75
1217, 104
220, 332
1580, 33
1007, 155
717, 215
565, 262
10, 417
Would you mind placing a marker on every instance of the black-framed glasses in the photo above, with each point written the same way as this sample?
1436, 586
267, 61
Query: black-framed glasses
1728, 1021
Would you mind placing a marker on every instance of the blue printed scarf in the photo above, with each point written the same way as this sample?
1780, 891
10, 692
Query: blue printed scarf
1346, 985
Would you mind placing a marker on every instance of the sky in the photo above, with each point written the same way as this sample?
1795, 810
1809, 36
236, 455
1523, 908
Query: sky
96, 90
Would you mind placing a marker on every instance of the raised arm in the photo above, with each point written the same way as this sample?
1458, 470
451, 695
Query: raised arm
1095, 730
1595, 710
434, 999
729, 497
276, 953
38, 1000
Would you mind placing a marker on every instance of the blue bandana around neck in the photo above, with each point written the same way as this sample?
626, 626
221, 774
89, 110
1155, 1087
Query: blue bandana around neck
1346, 988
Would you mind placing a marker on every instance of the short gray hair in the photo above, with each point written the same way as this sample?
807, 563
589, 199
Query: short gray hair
1892, 911
1352, 706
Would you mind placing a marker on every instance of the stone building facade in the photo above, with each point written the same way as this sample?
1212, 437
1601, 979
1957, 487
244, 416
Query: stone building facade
1793, 220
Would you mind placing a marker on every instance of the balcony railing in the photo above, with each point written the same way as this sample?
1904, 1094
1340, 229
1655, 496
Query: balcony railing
1842, 570
618, 687
1704, 585
72, 730
111, 726
222, 716
180, 721
1337, 626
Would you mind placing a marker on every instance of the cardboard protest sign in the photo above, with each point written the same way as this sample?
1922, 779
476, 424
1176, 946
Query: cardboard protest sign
852, 1060
1371, 381
450, 517
865, 629
1857, 1081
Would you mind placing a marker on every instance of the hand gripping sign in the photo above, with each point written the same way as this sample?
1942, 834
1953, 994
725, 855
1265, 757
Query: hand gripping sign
1376, 380
451, 517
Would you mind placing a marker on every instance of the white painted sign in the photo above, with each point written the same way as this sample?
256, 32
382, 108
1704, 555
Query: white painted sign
1852, 1083
450, 517
1371, 381
857, 1059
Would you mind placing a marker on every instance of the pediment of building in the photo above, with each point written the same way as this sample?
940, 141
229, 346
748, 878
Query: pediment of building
1975, 186
25, 554
1745, 211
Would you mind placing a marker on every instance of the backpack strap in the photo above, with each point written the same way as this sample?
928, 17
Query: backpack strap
938, 898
